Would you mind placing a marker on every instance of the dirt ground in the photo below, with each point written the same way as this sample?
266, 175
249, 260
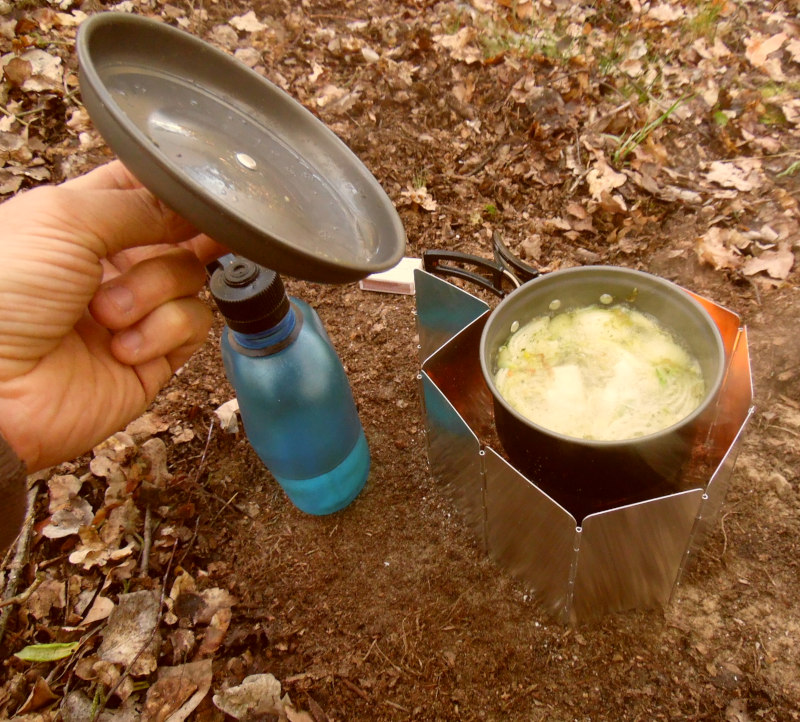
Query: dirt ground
388, 610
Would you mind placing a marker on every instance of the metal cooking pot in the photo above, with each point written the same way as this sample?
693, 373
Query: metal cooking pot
588, 476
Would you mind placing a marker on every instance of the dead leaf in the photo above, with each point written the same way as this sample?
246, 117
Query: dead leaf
63, 488
77, 707
69, 519
247, 23
49, 594
777, 263
120, 447
214, 600
419, 196
665, 13
224, 36
145, 426
460, 45
791, 110
46, 72
166, 696
250, 57
335, 99
196, 675
14, 146
744, 174
9, 182
758, 47
154, 452
257, 695
182, 642
17, 71
40, 696
716, 248
131, 637
100, 609
181, 435
602, 179
215, 633
182, 585
106, 468
71, 19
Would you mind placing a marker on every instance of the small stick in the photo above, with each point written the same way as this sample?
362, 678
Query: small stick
24, 596
147, 542
355, 688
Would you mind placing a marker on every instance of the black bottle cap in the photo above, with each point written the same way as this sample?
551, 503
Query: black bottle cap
250, 297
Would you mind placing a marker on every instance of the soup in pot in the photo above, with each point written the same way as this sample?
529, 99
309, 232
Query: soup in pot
599, 372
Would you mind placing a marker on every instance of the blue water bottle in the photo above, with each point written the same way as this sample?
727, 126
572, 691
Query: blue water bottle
294, 396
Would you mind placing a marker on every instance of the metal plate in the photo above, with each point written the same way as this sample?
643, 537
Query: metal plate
234, 154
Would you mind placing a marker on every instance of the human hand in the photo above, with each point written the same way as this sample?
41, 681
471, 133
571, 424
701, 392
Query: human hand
97, 309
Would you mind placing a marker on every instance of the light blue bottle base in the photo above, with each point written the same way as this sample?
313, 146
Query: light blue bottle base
333, 490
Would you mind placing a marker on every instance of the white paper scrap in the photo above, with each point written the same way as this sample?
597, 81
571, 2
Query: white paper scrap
399, 279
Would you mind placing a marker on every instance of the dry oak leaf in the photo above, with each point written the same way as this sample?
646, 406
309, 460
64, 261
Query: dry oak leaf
247, 23
715, 248
420, 197
46, 72
49, 594
603, 179
777, 264
215, 633
17, 71
522, 8
335, 99
791, 111
793, 46
178, 691
69, 519
460, 45
743, 174
131, 637
101, 609
41, 695
665, 13
258, 694
759, 47
146, 425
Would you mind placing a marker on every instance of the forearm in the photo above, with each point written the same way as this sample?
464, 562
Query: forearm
12, 494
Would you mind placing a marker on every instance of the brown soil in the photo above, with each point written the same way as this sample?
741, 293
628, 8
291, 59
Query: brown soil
388, 610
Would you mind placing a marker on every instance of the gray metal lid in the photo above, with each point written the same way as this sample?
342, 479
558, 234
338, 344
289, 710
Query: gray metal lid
234, 154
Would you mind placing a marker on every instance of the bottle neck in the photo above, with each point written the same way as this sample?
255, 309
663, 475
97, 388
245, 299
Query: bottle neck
282, 333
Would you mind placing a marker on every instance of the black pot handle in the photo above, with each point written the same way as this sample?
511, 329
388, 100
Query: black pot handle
441, 263
504, 266
503, 255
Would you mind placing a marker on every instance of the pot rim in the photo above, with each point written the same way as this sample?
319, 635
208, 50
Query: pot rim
708, 399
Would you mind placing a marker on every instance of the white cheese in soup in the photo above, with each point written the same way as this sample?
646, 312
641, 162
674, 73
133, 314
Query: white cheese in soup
599, 372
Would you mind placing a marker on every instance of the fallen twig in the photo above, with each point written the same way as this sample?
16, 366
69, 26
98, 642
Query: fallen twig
355, 688
147, 541
24, 596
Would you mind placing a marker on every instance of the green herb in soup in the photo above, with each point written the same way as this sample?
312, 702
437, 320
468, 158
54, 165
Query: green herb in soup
599, 372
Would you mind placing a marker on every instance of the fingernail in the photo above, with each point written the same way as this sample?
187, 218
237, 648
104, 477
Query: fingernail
130, 340
120, 296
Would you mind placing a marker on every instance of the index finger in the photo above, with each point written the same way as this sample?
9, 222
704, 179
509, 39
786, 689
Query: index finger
107, 221
115, 176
